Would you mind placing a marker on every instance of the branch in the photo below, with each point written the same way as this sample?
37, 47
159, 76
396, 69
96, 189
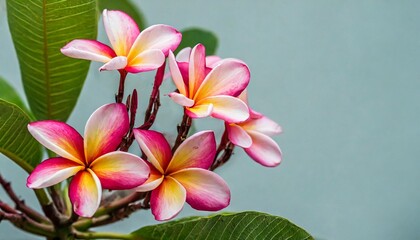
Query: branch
20, 204
23, 222
120, 95
227, 153
183, 130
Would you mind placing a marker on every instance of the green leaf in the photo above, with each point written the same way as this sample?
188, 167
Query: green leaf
15, 140
245, 225
126, 6
9, 94
39, 28
193, 36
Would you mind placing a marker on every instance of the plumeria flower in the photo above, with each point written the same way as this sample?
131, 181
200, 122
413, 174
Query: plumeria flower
253, 135
92, 161
210, 91
183, 177
132, 50
184, 56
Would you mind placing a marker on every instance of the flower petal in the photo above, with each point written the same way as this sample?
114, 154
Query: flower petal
85, 193
238, 136
263, 125
230, 77
264, 150
115, 64
162, 37
89, 50
205, 189
120, 170
212, 61
176, 74
196, 69
121, 29
155, 146
52, 171
184, 55
197, 151
148, 60
199, 111
59, 138
167, 200
181, 99
105, 129
227, 108
154, 180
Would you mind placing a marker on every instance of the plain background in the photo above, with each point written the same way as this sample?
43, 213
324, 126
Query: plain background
343, 80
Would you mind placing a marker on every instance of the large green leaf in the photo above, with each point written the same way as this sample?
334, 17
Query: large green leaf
9, 94
15, 140
193, 36
39, 29
126, 6
245, 225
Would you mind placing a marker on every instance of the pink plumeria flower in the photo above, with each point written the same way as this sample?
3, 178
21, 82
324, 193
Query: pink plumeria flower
210, 91
183, 177
184, 56
92, 161
131, 50
253, 135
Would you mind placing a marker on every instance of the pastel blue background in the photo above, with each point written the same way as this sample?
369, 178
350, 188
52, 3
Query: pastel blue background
343, 80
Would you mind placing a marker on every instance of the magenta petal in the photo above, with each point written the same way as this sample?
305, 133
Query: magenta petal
105, 129
120, 170
154, 180
88, 50
85, 193
264, 150
155, 146
238, 136
52, 171
167, 200
121, 29
197, 151
59, 138
205, 189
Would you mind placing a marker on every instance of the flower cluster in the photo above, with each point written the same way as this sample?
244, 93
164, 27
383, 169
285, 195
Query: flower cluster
206, 86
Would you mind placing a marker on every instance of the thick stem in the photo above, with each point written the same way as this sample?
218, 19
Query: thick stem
120, 95
183, 130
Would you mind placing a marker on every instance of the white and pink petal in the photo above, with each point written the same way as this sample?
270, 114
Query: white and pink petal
263, 125
155, 147
161, 37
52, 171
181, 99
60, 138
148, 60
205, 189
121, 29
116, 63
120, 170
227, 108
154, 180
264, 150
85, 193
88, 50
197, 151
199, 110
230, 77
105, 129
168, 199
238, 136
